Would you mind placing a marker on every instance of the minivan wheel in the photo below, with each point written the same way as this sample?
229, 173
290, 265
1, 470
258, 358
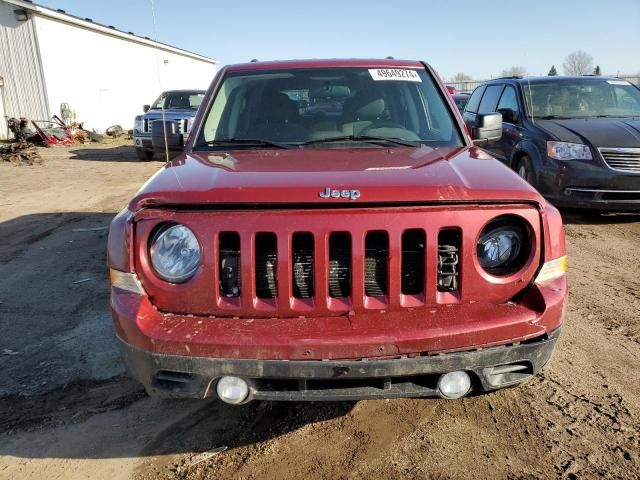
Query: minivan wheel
144, 155
525, 170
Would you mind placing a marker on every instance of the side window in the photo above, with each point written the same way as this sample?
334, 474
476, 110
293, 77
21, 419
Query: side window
508, 99
489, 99
474, 100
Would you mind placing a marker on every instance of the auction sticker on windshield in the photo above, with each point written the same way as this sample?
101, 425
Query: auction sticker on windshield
401, 74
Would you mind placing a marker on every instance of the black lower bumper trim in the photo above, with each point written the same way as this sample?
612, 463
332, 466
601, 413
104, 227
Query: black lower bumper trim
308, 380
600, 199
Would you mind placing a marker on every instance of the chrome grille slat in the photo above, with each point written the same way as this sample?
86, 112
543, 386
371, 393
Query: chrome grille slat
622, 159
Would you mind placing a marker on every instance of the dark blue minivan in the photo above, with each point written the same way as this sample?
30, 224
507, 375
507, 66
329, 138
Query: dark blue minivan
576, 139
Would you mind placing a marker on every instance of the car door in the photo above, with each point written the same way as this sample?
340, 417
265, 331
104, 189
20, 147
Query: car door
488, 104
509, 107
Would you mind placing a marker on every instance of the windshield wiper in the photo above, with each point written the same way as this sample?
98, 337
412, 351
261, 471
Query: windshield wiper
363, 138
552, 117
617, 116
247, 142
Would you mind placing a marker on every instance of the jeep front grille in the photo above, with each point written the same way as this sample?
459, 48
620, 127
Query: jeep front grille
623, 159
340, 268
323, 263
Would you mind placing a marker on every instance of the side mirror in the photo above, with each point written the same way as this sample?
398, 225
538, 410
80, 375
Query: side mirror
166, 129
508, 115
146, 108
486, 128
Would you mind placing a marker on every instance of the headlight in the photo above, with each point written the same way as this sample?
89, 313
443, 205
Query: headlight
568, 151
504, 245
175, 253
138, 124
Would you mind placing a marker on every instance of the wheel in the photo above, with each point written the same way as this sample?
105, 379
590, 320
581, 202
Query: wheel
144, 155
525, 170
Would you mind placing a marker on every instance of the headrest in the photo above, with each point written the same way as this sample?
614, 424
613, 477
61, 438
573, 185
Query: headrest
363, 106
275, 105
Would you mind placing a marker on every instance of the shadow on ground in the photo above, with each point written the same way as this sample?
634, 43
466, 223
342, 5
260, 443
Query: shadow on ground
119, 153
63, 393
115, 419
54, 302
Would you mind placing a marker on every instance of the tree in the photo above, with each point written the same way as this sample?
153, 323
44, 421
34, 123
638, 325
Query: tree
597, 71
460, 77
578, 63
515, 71
553, 72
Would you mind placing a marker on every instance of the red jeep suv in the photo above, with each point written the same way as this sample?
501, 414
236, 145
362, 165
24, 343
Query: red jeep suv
330, 232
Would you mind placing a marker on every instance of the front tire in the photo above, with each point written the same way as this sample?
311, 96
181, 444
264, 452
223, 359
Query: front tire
144, 155
525, 170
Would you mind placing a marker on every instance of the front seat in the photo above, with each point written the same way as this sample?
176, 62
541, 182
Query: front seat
276, 119
361, 111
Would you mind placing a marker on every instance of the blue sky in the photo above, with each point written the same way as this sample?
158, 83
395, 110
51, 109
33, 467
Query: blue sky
478, 38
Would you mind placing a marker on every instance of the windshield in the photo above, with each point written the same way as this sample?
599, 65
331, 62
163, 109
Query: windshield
331, 107
178, 101
582, 98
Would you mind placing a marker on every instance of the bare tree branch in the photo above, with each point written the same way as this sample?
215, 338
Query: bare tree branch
578, 63
460, 77
515, 71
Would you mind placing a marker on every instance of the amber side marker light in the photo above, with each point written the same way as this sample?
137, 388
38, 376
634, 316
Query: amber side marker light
552, 269
125, 281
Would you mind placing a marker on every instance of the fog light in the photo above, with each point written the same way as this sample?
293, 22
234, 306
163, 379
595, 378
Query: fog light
454, 384
232, 390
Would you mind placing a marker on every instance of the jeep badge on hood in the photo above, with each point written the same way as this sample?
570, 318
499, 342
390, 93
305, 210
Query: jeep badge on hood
331, 193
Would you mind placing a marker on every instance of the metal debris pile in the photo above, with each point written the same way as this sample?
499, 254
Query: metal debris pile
51, 133
20, 153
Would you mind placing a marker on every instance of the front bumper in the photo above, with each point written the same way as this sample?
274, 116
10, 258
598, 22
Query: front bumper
589, 184
366, 355
339, 380
599, 198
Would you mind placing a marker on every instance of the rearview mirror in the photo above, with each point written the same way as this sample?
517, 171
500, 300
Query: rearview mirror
508, 115
146, 108
486, 128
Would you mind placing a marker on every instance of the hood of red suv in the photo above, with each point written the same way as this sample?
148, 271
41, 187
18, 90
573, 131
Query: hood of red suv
312, 175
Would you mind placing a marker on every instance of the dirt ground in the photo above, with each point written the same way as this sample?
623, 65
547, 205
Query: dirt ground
67, 411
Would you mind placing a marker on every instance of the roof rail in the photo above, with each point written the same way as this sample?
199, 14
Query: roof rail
254, 60
511, 77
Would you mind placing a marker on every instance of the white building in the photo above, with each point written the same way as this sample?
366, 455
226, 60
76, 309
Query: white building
48, 57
